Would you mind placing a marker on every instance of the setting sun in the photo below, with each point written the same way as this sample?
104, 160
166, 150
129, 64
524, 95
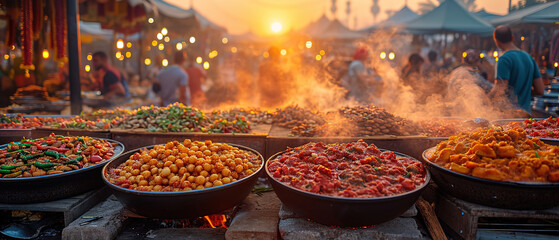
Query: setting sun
276, 27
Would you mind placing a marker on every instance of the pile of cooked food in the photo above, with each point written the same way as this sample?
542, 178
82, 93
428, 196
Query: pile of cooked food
185, 166
354, 170
53, 154
545, 128
499, 155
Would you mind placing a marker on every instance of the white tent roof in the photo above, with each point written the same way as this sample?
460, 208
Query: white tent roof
541, 13
317, 26
450, 16
167, 9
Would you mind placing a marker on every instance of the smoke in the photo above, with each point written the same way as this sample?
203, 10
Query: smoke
298, 78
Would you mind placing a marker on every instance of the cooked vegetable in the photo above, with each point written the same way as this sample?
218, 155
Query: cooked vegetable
51, 155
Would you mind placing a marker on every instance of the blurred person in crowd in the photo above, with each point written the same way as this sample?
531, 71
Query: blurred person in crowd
110, 81
155, 68
431, 67
196, 78
360, 81
273, 80
411, 73
173, 82
469, 75
518, 75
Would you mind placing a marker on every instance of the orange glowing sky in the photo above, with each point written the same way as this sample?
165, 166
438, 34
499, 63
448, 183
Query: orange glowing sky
240, 16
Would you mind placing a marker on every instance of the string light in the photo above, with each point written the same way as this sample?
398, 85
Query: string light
283, 52
382, 55
167, 39
266, 54
308, 44
164, 62
322, 52
213, 54
233, 49
159, 36
179, 46
224, 40
87, 68
154, 43
318, 57
147, 62
164, 31
161, 46
481, 55
522, 38
118, 54
391, 56
89, 57
46, 54
128, 54
556, 64
192, 39
150, 20
120, 44
206, 65
495, 54
128, 44
199, 60
464, 54
6, 56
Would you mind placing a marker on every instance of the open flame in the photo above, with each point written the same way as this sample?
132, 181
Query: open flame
216, 220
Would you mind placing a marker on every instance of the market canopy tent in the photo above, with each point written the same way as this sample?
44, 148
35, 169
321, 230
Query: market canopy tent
486, 15
317, 26
399, 18
450, 16
541, 13
336, 31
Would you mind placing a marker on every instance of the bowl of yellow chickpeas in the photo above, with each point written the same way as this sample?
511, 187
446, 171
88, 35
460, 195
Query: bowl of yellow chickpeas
183, 179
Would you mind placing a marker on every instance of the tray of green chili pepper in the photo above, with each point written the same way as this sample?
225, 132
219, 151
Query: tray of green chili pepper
53, 167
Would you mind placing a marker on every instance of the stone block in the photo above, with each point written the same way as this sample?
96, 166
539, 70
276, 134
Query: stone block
105, 228
301, 229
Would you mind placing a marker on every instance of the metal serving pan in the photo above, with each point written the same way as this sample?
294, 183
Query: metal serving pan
510, 195
56, 186
183, 204
343, 211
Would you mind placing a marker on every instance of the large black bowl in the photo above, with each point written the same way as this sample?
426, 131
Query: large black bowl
56, 186
509, 195
183, 204
343, 211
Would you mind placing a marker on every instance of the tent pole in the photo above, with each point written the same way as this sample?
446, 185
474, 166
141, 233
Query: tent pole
74, 54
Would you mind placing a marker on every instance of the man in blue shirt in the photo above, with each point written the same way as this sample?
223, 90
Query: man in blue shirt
516, 70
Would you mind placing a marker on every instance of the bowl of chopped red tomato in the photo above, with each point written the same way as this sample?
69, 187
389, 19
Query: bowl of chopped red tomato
346, 185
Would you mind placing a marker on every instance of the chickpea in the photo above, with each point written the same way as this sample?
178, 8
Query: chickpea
160, 165
136, 165
130, 162
146, 174
199, 187
226, 172
145, 158
168, 152
154, 171
165, 181
152, 153
213, 177
249, 172
166, 172
182, 149
208, 185
238, 161
192, 159
235, 175
204, 173
127, 168
190, 167
198, 168
208, 166
226, 180
179, 163
217, 183
174, 168
194, 148
169, 145
199, 154
157, 188
203, 148
182, 170
200, 180
127, 174
187, 189
144, 167
187, 142
143, 183
208, 142
135, 172
173, 180
121, 178
191, 179
152, 162
191, 152
158, 180
171, 158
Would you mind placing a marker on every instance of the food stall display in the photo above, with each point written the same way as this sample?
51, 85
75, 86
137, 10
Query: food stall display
52, 155
184, 166
360, 184
187, 179
496, 167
